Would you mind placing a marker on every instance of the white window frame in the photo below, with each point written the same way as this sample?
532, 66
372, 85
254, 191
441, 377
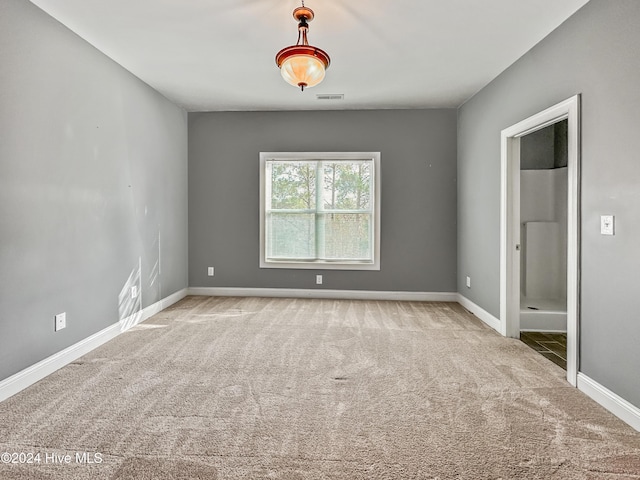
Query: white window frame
322, 264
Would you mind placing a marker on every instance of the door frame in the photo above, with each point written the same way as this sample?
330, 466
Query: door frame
510, 223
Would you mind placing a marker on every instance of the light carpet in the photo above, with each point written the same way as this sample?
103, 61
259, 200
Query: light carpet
255, 388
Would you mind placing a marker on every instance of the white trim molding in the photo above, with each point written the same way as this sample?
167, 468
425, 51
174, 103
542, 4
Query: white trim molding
479, 312
30, 375
324, 293
617, 405
36, 372
510, 223
166, 302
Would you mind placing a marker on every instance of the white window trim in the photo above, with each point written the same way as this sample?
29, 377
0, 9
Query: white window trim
322, 265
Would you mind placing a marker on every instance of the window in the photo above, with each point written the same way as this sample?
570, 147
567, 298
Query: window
320, 210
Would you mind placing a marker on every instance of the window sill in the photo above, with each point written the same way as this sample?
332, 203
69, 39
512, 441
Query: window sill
319, 265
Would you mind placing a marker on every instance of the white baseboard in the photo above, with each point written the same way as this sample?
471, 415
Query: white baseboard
617, 405
543, 321
479, 312
30, 375
324, 293
542, 330
160, 305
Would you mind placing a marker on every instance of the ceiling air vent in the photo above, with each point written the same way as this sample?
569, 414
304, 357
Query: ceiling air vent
330, 96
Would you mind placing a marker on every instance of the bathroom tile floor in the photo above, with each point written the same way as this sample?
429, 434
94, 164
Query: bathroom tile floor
550, 345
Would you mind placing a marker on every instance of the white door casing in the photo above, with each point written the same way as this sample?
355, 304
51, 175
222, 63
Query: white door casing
510, 223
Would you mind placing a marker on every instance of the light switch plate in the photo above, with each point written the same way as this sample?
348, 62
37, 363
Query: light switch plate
607, 224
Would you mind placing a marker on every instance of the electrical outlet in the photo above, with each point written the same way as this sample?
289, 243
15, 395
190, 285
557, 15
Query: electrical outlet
318, 279
134, 291
61, 321
210, 271
468, 281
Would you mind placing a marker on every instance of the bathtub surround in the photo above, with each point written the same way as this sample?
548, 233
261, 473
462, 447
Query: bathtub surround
543, 215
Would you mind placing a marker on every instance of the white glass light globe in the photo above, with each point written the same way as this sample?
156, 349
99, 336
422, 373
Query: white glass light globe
302, 70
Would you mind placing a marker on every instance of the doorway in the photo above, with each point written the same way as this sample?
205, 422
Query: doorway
514, 236
543, 241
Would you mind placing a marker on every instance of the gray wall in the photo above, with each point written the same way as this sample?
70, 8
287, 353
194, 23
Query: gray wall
594, 53
418, 165
93, 183
545, 148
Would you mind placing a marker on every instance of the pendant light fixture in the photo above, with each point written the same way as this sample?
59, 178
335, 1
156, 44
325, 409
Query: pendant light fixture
302, 65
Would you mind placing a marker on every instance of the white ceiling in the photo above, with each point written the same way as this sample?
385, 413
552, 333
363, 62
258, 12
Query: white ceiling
219, 54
